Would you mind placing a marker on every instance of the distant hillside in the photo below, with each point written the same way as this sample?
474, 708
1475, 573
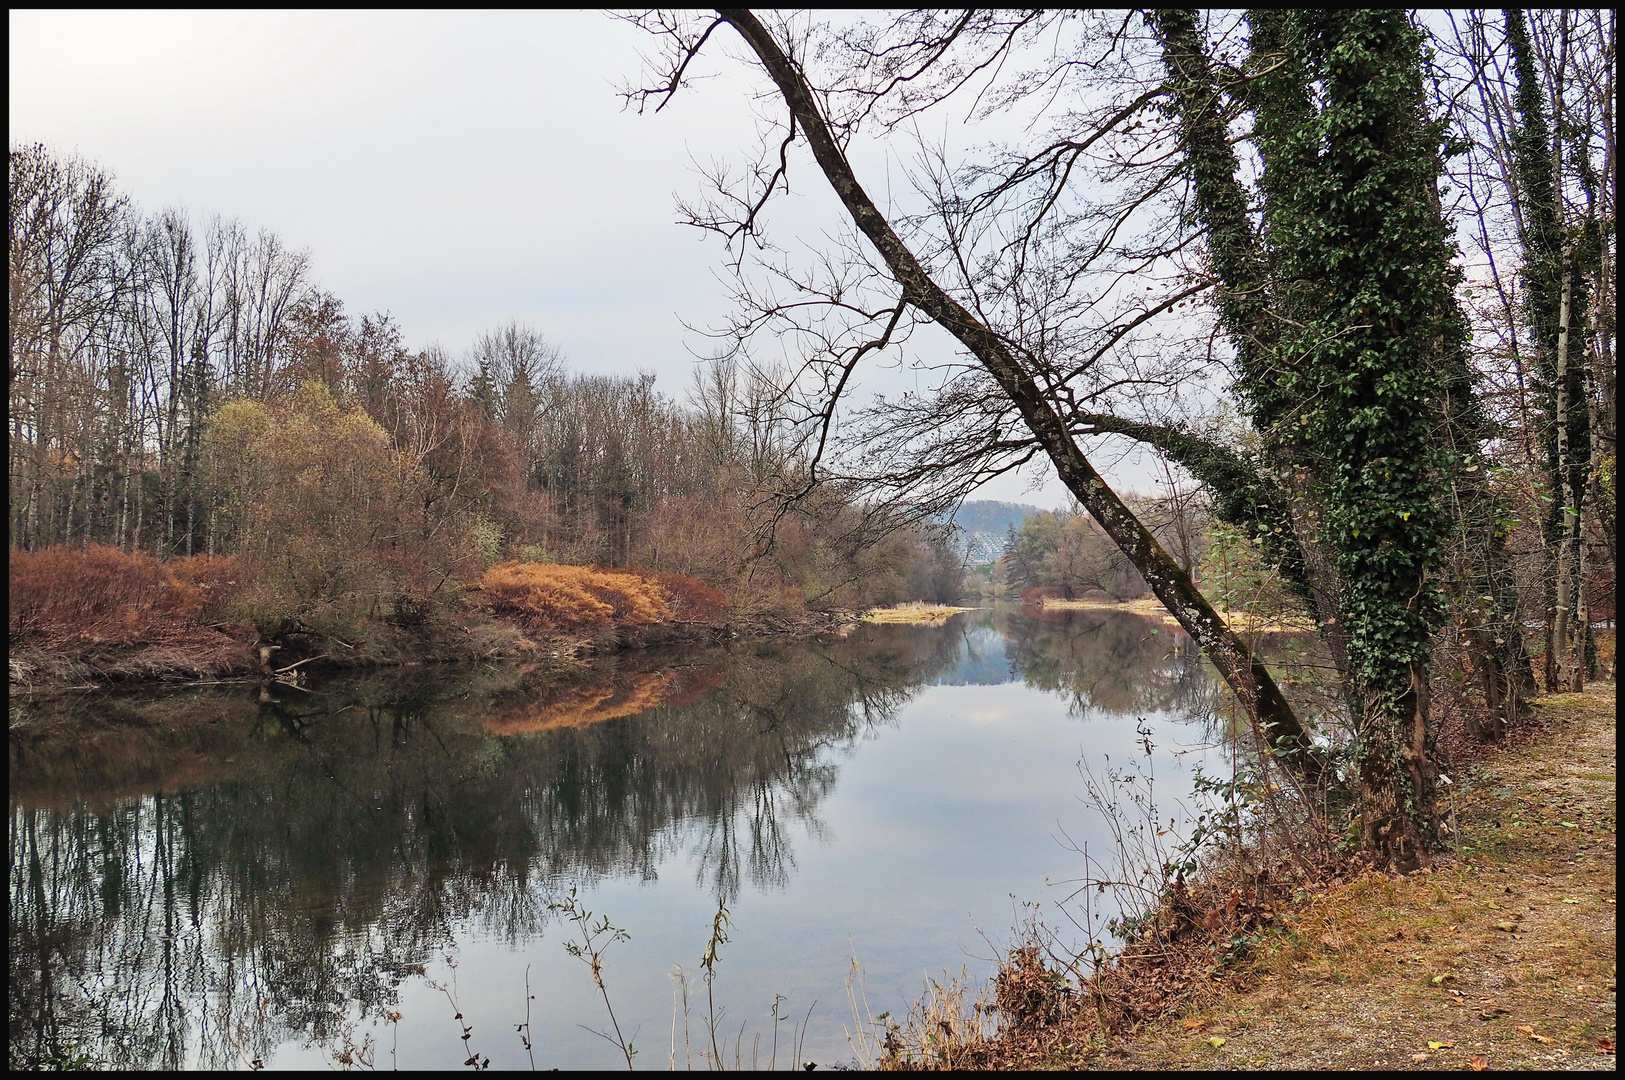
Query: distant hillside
985, 526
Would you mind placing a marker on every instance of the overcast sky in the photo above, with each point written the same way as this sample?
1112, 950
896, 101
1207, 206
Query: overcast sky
456, 169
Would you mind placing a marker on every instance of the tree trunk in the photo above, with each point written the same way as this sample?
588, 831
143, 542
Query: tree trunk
1562, 630
1243, 671
1396, 780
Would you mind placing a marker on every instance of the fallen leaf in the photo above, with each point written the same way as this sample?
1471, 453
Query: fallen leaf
1420, 1057
1215, 1042
1508, 927
1540, 1038
1480, 1063
1570, 899
1437, 979
1605, 1046
1441, 1045
1526, 1029
1192, 1025
1569, 825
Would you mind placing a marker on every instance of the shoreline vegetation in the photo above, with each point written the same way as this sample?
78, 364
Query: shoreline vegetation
92, 617
1244, 621
915, 613
1500, 955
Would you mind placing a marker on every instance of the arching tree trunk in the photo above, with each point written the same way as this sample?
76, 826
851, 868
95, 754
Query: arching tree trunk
1244, 672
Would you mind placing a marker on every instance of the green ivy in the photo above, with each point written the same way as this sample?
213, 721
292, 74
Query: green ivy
1362, 264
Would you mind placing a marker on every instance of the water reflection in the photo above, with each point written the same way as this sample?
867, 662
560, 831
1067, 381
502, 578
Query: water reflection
200, 876
1108, 661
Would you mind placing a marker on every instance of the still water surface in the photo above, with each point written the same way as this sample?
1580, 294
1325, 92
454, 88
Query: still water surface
210, 877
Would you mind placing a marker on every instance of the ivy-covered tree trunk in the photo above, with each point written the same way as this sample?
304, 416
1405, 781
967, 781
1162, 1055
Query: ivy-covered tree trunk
1346, 327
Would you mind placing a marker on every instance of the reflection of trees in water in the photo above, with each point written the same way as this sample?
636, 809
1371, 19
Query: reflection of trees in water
1113, 661
1122, 663
334, 838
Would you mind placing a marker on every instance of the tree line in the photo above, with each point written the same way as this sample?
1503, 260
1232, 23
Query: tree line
183, 388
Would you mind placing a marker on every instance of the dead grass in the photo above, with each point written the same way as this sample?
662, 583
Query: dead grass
70, 600
1240, 621
82, 615
914, 612
605, 607
1144, 606
1500, 956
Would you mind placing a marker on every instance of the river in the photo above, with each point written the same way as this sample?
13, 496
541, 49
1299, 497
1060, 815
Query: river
212, 877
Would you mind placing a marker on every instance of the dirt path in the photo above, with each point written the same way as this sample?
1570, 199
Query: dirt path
1500, 957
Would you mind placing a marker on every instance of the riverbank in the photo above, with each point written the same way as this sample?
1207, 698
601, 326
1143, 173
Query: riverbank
231, 651
1240, 621
1501, 955
82, 619
915, 613
468, 633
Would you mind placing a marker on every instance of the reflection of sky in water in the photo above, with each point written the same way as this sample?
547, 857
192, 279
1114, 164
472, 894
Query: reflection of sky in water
939, 828
901, 842
982, 661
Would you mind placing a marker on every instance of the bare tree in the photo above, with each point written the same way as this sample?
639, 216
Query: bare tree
66, 228
1034, 339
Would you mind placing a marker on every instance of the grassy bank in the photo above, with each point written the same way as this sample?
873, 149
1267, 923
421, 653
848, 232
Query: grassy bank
1501, 955
1243, 621
918, 614
93, 616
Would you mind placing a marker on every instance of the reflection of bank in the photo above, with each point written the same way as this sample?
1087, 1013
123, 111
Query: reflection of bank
255, 858
622, 694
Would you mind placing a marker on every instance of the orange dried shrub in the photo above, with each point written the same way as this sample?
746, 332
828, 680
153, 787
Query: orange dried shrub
604, 605
72, 598
691, 600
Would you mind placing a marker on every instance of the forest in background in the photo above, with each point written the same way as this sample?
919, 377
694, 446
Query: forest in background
182, 388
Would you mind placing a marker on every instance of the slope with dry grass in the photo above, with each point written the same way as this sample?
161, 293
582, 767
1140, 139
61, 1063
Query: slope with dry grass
96, 613
1502, 955
603, 607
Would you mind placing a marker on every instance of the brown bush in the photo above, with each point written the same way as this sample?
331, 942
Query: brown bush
73, 598
690, 600
603, 605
